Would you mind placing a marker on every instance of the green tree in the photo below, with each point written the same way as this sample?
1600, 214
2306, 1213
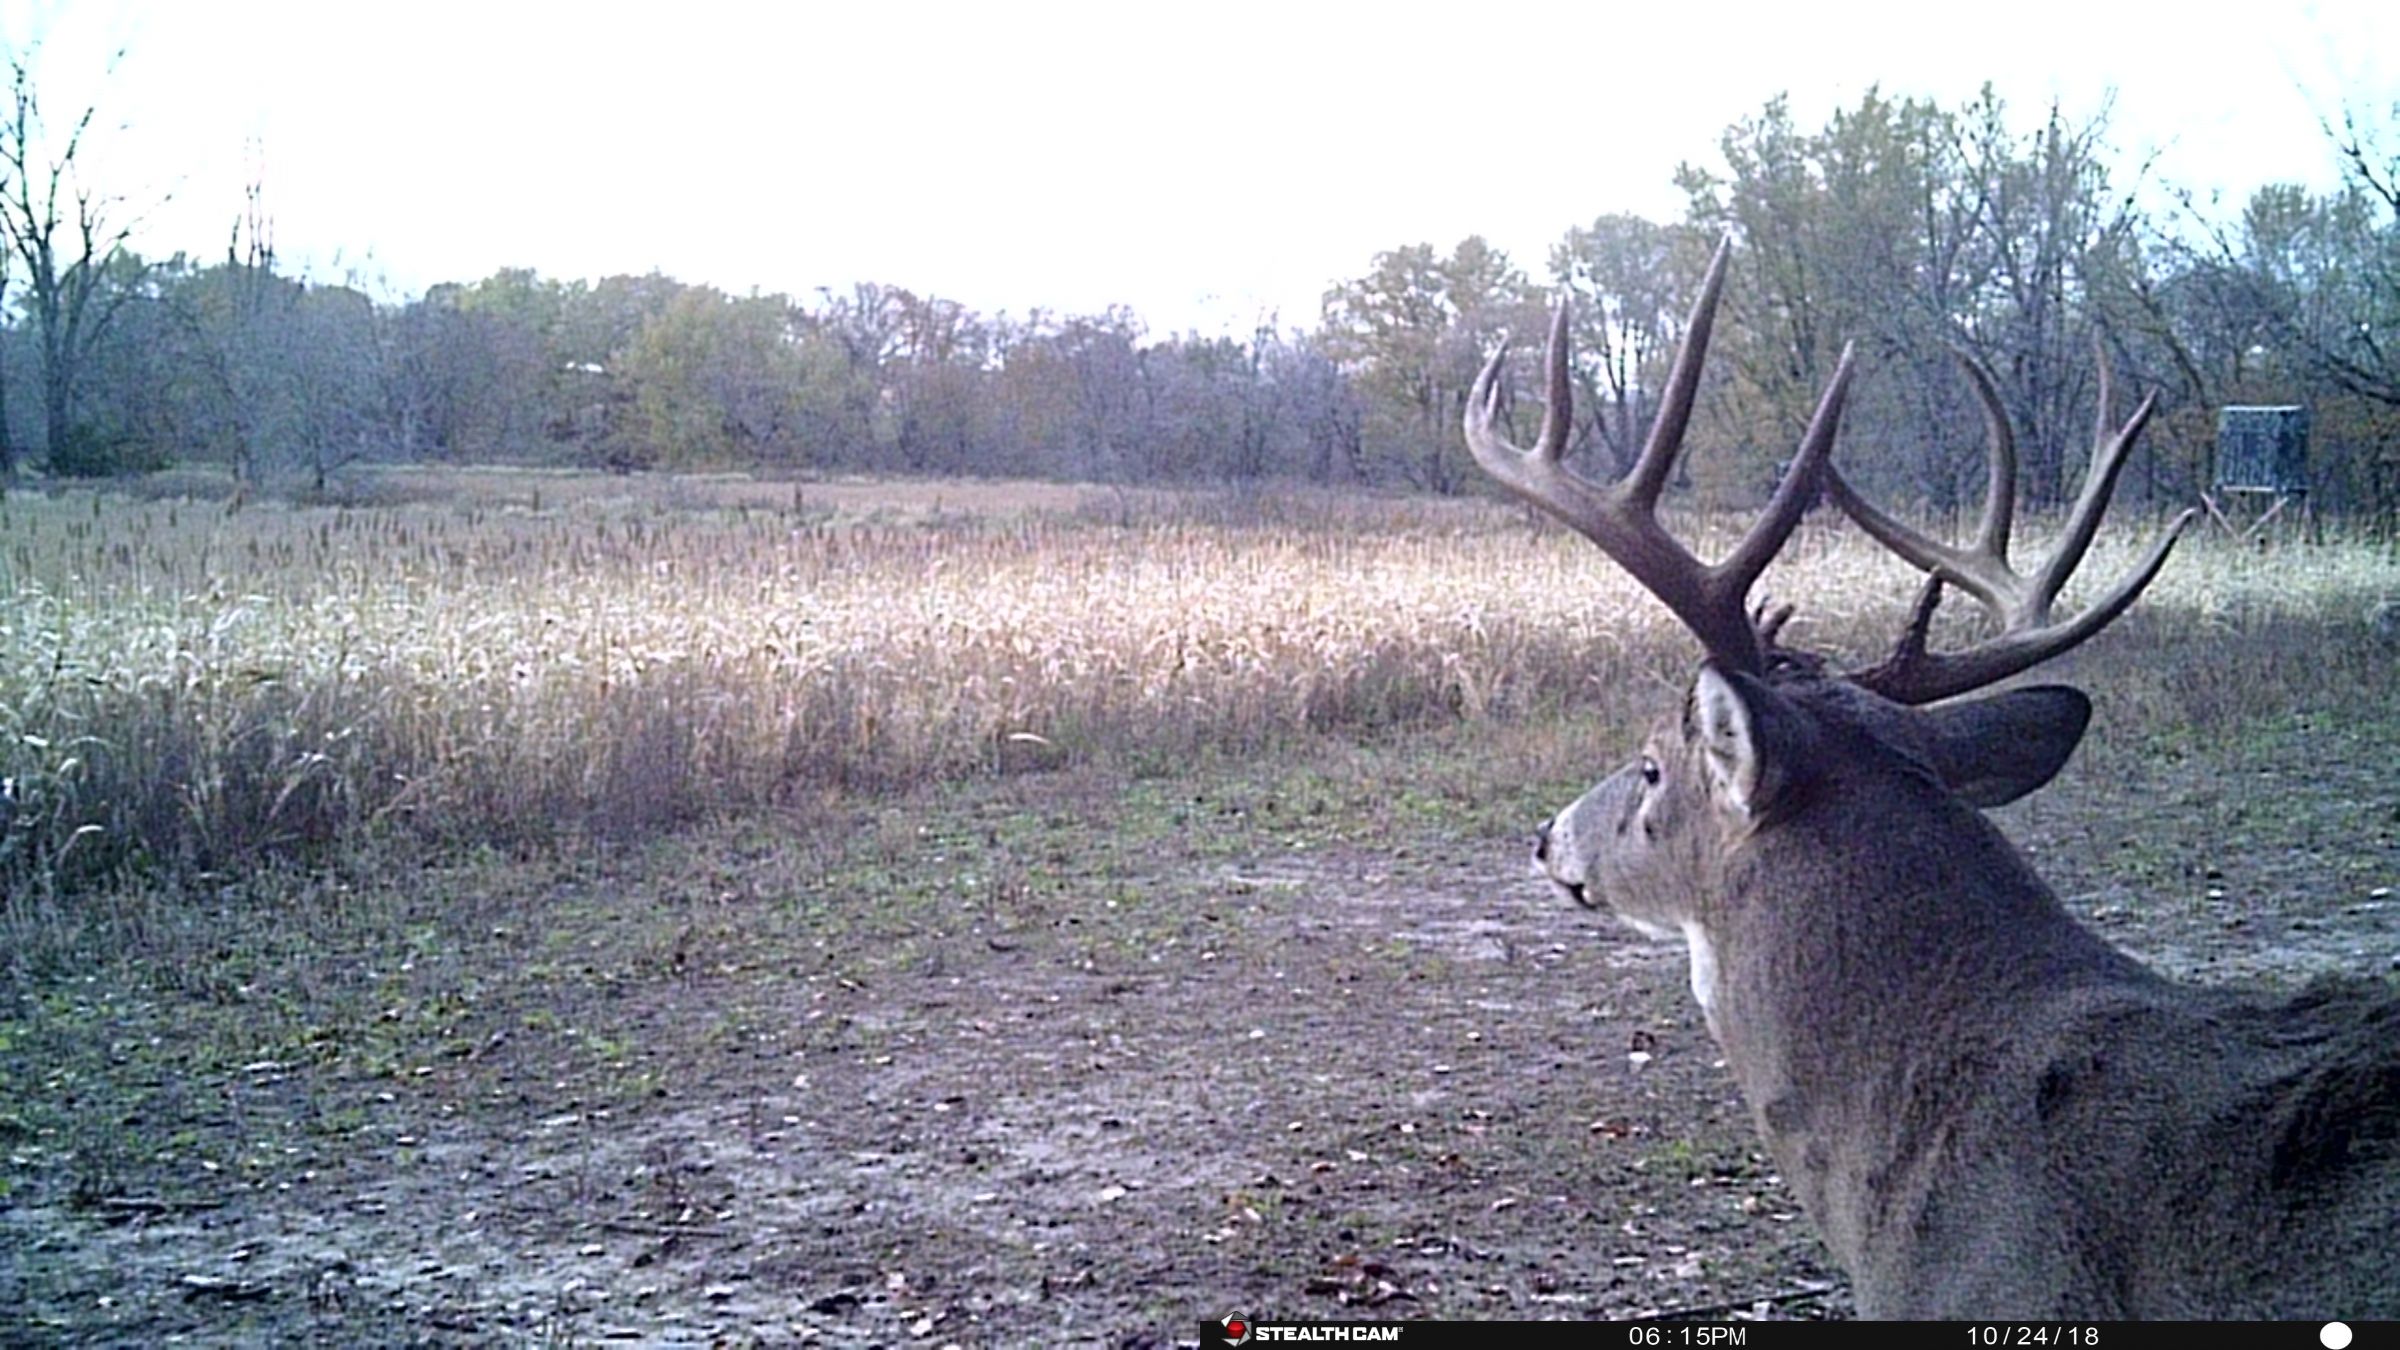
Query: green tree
713, 380
2330, 266
935, 389
1413, 332
850, 343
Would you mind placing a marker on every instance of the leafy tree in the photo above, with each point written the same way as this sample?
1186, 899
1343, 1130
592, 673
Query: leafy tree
849, 343
713, 381
1414, 331
1074, 392
1214, 417
273, 375
476, 380
934, 403
2331, 266
1320, 406
127, 388
2058, 235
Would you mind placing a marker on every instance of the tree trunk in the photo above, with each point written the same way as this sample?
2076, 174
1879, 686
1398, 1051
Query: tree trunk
57, 419
8, 441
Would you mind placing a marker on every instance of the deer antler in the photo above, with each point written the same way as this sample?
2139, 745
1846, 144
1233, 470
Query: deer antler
2019, 603
1623, 518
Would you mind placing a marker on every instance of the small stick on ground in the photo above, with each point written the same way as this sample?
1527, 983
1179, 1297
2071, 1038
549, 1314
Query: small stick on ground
645, 1228
1797, 1294
151, 1204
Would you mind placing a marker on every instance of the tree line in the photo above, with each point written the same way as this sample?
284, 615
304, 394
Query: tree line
1915, 230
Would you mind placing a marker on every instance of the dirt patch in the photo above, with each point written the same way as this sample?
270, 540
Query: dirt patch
1033, 1070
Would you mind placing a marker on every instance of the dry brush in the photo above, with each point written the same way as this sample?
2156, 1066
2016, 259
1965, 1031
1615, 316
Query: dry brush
186, 689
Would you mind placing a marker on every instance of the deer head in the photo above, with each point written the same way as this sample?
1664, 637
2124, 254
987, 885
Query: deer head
1872, 955
1767, 734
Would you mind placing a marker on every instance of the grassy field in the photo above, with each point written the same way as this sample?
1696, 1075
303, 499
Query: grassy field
448, 915
187, 687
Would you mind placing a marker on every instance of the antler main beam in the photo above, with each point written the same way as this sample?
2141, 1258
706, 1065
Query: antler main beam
2019, 603
1622, 518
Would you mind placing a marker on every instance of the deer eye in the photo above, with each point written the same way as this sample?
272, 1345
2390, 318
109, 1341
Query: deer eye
1650, 771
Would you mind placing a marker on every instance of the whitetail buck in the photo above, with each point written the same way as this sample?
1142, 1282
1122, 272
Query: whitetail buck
1988, 1111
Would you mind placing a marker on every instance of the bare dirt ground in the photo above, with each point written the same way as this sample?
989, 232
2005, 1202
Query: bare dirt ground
1053, 1058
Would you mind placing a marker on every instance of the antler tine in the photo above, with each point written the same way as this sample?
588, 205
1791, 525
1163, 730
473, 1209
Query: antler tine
2000, 483
1983, 571
1483, 411
1623, 519
1558, 409
2107, 401
1912, 674
2099, 484
2020, 604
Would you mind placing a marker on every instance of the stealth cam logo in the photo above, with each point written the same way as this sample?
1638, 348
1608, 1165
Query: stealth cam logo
1235, 1330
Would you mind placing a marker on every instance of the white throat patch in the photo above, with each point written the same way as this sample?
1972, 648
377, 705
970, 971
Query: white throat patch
1704, 970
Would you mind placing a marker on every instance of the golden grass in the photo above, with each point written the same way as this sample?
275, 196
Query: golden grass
186, 688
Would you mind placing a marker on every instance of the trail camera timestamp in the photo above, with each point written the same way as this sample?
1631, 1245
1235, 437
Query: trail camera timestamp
2036, 1335
1675, 1335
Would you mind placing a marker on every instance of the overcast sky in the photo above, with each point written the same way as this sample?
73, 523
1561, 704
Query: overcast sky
1201, 162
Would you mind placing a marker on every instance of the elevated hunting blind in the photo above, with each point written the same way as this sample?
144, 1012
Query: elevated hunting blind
2262, 452
2262, 449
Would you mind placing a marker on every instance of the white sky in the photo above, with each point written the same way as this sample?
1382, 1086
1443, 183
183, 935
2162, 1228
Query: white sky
1202, 162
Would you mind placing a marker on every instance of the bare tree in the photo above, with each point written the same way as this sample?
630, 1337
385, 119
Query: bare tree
60, 232
2357, 351
1617, 271
2297, 299
228, 323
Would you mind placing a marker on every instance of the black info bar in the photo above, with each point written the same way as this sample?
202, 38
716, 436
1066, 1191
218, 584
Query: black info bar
1235, 1329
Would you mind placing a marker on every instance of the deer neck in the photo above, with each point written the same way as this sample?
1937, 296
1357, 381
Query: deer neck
1857, 992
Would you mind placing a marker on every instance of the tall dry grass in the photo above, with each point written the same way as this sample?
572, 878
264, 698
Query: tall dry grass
187, 689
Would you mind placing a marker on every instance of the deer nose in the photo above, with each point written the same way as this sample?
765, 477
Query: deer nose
1541, 843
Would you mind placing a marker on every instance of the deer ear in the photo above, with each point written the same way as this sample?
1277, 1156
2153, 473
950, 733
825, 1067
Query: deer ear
1991, 751
1752, 740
